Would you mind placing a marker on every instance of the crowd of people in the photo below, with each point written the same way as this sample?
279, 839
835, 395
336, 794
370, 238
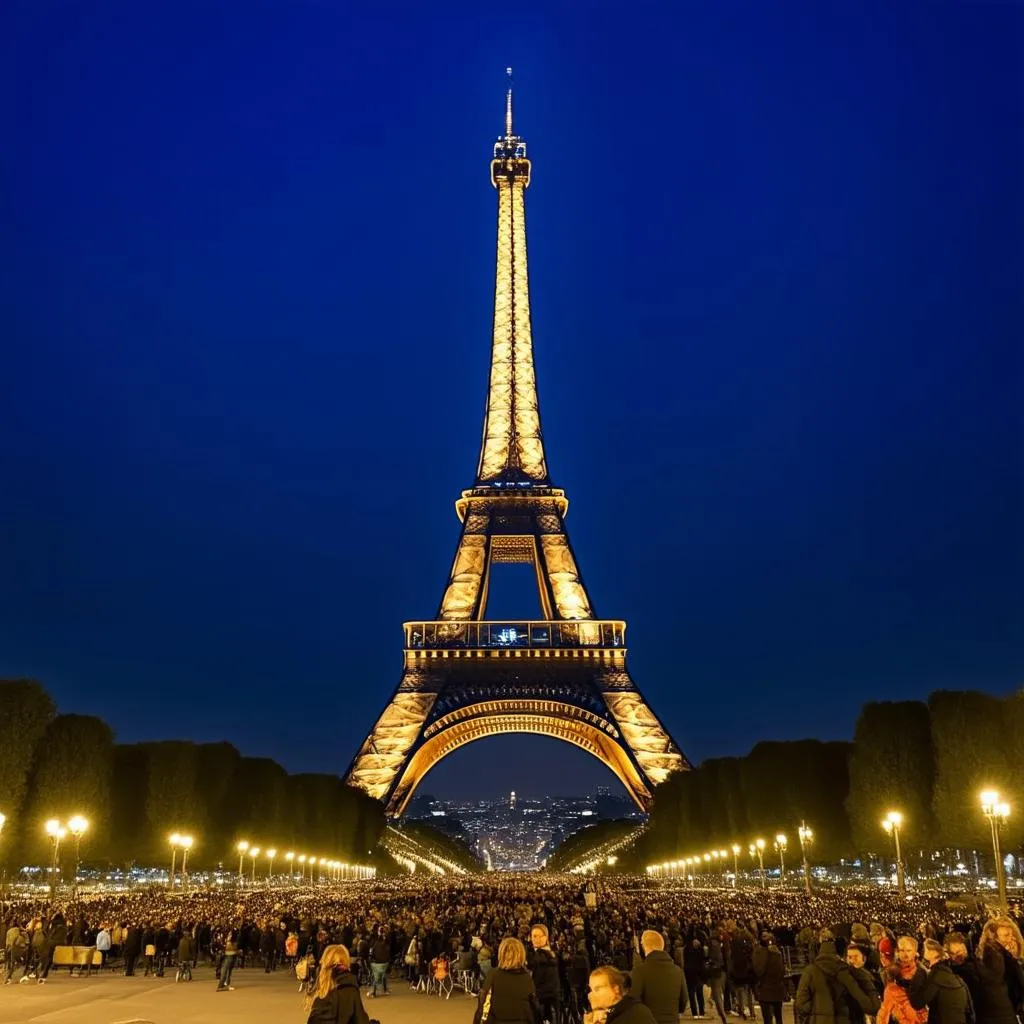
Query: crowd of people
546, 947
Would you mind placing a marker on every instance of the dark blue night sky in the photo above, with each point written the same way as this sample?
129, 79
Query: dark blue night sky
777, 259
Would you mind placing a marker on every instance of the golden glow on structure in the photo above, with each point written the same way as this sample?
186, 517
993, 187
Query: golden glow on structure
561, 723
513, 448
461, 680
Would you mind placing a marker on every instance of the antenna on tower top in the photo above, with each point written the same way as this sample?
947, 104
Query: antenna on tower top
508, 105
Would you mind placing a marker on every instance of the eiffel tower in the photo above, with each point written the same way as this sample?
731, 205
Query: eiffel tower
466, 677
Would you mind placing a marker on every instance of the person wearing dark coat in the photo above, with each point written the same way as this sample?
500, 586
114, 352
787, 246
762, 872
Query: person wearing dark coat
57, 936
938, 989
695, 973
770, 975
543, 966
132, 949
608, 993
1000, 985
508, 996
336, 998
826, 988
857, 958
658, 982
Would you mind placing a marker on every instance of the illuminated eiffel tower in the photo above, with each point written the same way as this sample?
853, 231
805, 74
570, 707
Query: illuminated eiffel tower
466, 678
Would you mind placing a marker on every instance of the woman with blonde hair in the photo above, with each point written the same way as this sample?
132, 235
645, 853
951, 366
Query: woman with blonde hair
508, 995
335, 997
1000, 998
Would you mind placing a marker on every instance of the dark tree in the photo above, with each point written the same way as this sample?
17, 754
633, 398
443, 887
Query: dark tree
25, 712
72, 774
891, 768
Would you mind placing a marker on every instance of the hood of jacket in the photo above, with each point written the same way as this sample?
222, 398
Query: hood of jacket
346, 980
829, 961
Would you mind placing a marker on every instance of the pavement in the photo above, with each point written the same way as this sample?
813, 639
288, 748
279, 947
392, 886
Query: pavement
111, 998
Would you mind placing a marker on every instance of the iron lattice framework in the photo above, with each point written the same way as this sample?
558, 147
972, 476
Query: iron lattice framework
465, 677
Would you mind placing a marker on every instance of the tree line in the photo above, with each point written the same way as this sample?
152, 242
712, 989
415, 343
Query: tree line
134, 795
928, 759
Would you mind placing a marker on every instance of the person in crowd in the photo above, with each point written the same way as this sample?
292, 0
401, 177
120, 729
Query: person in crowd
857, 959
1000, 998
132, 948
380, 957
509, 996
231, 948
695, 972
827, 987
103, 944
186, 955
611, 1004
543, 966
335, 997
15, 950
770, 974
657, 981
741, 972
900, 975
715, 973
937, 988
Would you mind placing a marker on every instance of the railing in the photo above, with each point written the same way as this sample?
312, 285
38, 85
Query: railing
515, 635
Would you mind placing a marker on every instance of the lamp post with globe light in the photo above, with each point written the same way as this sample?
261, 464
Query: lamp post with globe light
892, 823
254, 852
781, 842
56, 831
806, 838
77, 826
997, 812
175, 840
242, 847
290, 857
757, 849
186, 845
735, 864
271, 854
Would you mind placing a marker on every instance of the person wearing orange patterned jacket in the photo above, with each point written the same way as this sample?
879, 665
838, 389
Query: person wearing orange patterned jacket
896, 1008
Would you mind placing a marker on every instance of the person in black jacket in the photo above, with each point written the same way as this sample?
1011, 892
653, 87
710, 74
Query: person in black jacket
695, 972
611, 1004
658, 982
770, 972
938, 988
543, 965
1000, 975
335, 997
380, 958
508, 996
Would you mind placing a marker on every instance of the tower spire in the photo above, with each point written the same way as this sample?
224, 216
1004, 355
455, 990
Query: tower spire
512, 451
508, 105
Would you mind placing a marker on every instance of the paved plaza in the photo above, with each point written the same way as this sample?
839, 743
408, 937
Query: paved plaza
258, 997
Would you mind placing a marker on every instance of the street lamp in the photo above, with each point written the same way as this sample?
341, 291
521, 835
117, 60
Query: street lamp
806, 838
781, 842
320, 876
175, 840
242, 847
254, 852
997, 812
270, 873
892, 823
758, 849
77, 826
56, 831
735, 864
186, 845
290, 857
302, 867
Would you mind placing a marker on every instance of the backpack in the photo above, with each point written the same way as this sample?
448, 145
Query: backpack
302, 968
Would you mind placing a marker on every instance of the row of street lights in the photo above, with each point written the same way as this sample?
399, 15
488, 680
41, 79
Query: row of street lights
714, 861
330, 870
